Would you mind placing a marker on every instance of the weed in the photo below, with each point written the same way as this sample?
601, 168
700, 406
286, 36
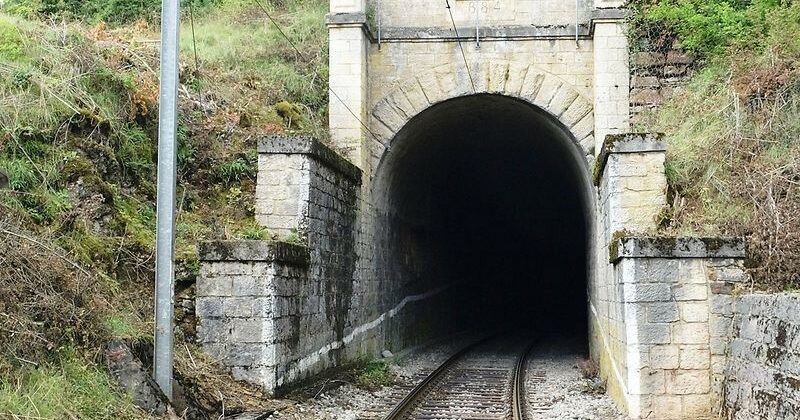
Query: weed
293, 238
11, 42
374, 375
236, 170
252, 230
733, 150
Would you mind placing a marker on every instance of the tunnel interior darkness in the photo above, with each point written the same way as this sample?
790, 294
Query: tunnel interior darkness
487, 195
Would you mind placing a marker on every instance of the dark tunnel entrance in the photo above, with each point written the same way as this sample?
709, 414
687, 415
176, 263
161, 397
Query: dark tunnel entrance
486, 196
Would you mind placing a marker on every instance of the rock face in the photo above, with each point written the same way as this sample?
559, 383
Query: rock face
132, 378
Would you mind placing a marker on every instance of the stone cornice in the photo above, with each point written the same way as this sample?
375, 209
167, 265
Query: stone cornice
626, 143
495, 33
306, 145
676, 247
253, 250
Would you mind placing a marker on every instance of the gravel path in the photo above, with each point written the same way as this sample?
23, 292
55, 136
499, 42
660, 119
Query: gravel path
560, 391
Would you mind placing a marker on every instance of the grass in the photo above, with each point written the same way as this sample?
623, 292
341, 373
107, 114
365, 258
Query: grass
68, 390
251, 56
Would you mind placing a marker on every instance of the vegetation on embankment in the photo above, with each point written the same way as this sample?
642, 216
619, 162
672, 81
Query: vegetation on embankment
733, 132
78, 124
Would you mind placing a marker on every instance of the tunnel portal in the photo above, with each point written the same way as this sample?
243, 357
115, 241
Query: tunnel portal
484, 197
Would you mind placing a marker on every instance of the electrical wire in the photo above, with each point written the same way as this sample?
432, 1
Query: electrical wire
458, 39
316, 73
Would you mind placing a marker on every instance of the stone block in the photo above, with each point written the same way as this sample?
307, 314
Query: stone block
696, 406
665, 357
694, 311
648, 59
695, 357
675, 71
222, 286
646, 96
682, 382
663, 312
664, 406
647, 292
693, 333
262, 376
654, 334
652, 381
645, 82
211, 330
249, 330
678, 57
209, 307
690, 292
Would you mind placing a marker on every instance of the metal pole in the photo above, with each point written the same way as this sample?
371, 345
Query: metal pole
379, 24
477, 25
577, 18
165, 201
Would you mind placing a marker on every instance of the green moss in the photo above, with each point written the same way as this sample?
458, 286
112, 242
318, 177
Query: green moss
76, 166
291, 113
89, 249
613, 244
137, 220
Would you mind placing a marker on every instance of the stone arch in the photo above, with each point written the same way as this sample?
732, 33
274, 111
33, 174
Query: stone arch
526, 82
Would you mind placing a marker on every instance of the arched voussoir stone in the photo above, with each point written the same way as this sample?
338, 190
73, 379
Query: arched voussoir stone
563, 101
516, 77
387, 112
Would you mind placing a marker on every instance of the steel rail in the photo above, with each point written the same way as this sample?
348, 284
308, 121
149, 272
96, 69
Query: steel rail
518, 395
407, 402
420, 391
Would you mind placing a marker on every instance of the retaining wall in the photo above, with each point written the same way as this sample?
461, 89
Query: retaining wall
253, 306
763, 369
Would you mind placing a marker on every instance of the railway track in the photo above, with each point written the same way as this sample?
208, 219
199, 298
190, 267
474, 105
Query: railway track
485, 381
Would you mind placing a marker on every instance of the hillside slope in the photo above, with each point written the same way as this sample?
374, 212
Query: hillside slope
733, 157
78, 122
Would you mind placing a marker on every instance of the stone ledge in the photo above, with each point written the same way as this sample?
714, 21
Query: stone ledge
676, 247
498, 32
626, 143
306, 145
610, 13
346, 19
253, 250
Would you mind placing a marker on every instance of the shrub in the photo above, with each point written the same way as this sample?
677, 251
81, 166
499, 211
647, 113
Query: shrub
705, 28
115, 11
11, 43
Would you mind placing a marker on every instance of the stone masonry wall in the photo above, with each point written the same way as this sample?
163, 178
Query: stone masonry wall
307, 189
655, 76
629, 173
249, 307
675, 328
764, 363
